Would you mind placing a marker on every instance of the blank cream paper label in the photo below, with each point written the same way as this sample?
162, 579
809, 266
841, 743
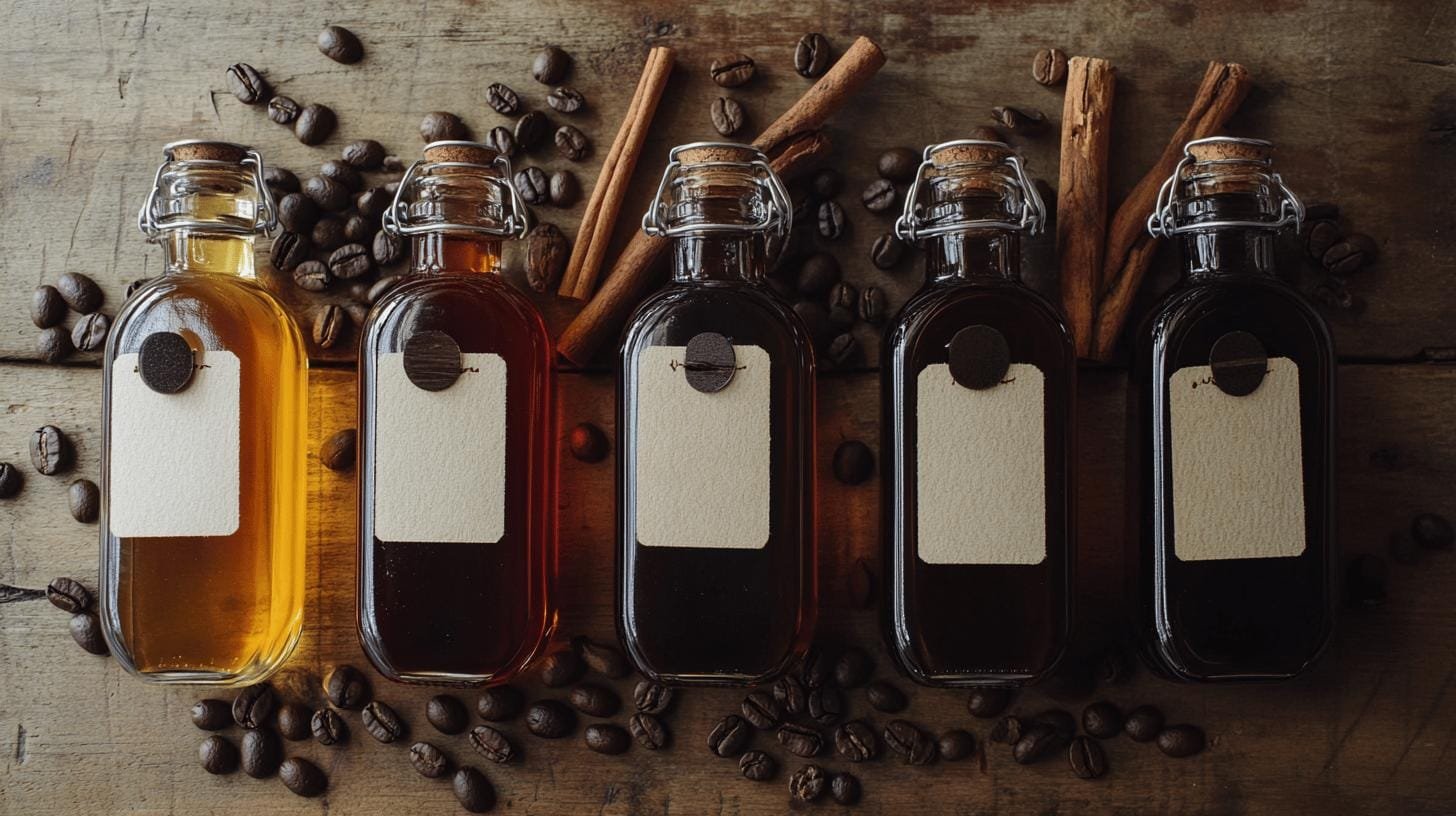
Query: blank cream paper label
1238, 473
174, 458
446, 484
980, 471
703, 478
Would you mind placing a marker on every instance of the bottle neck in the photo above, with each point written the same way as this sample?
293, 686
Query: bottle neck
983, 256
187, 251
435, 253
1228, 252
724, 258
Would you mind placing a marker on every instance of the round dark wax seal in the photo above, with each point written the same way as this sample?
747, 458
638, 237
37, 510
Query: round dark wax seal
432, 360
1239, 363
165, 362
978, 357
709, 362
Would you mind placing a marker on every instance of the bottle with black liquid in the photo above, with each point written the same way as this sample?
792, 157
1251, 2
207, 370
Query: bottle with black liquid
1232, 432
715, 401
979, 455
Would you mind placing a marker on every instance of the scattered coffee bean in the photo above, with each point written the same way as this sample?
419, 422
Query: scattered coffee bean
337, 452
67, 594
913, 745
1432, 531
727, 115
328, 727
86, 631
312, 276
1102, 720
566, 100
314, 123
595, 701
364, 154
956, 744
550, 66
289, 250
816, 667
649, 731
297, 212
1143, 723
532, 185
1019, 120
294, 721
430, 761
651, 697
565, 189
732, 70
547, 252
885, 697
85, 500
757, 766
988, 702
826, 705
502, 99
79, 292
550, 719
283, 110
50, 450
800, 740
606, 738
897, 164
261, 753
344, 173
826, 183
879, 196
330, 323
1320, 235
439, 126
500, 703
359, 230
1007, 730
854, 463
852, 667
807, 784
832, 223
302, 777
218, 755
789, 695
1038, 741
327, 192
392, 164
818, 274
571, 143
811, 55
855, 741
53, 345
347, 687
472, 790
47, 308
501, 140
761, 709
340, 45
382, 722
887, 251
388, 249
1049, 66
247, 84
492, 744
1343, 258
531, 131
328, 234
730, 736
843, 305
588, 444
1180, 741
447, 714
844, 788
1087, 758
561, 668
253, 707
872, 305
279, 179
212, 715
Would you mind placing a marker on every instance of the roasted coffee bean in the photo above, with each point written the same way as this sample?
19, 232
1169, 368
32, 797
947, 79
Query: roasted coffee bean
359, 230
1333, 294
47, 308
1432, 531
571, 143
280, 180
392, 164
897, 164
340, 45
730, 736
727, 115
328, 727
447, 714
328, 234
606, 738
844, 788
988, 702
884, 697
253, 707
212, 715
818, 274
1320, 235
595, 701
79, 292
1344, 258
1049, 66
826, 183
501, 140
430, 761
50, 450
565, 190
1087, 758
328, 192
1180, 741
337, 452
854, 463
789, 694
89, 333
1038, 741
565, 100
831, 221
956, 744
297, 212
1143, 723
500, 703
347, 687
371, 204
826, 705
364, 154
247, 84
502, 99
289, 250
68, 595
1019, 120
757, 766
872, 305
472, 790
86, 631
381, 287
550, 66
11, 481
816, 667
382, 722
852, 667
492, 744
388, 249
811, 55
302, 777
588, 444
887, 251
561, 668
312, 276
439, 126
218, 755
731, 70
855, 741
550, 719
350, 261
761, 709
649, 731
807, 784
294, 721
800, 740
344, 173
652, 697
532, 130
1102, 720
913, 745
53, 345
532, 185
1064, 722
843, 305
283, 110
85, 500
314, 123
1007, 730
879, 196
261, 753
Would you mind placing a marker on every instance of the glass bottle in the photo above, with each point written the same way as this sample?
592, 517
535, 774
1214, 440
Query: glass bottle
979, 450
1232, 418
457, 433
205, 422
715, 417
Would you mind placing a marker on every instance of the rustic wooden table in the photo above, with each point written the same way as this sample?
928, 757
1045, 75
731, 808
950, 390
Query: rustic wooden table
1359, 94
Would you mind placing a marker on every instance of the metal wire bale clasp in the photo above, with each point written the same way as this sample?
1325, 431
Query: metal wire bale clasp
265, 215
514, 224
1163, 220
910, 226
778, 216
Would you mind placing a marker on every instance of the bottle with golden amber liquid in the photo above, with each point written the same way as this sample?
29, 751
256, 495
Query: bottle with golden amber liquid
204, 418
1232, 435
979, 444
457, 432
715, 415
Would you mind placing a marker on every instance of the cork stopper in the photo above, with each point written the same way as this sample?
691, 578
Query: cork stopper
719, 153
985, 153
207, 151
467, 152
1228, 148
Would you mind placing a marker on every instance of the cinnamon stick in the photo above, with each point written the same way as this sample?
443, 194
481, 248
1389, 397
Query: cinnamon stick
1129, 246
854, 68
1082, 191
595, 232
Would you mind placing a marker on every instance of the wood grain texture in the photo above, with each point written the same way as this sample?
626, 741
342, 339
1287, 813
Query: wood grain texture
1367, 732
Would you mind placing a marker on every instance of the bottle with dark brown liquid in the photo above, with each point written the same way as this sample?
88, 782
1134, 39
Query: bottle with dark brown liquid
457, 438
979, 456
715, 501
1232, 432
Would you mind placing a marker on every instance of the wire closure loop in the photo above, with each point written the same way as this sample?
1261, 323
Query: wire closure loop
514, 224
910, 226
778, 217
265, 216
1163, 221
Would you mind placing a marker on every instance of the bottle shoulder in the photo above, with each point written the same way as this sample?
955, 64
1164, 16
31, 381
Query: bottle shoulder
935, 313
1282, 318
743, 313
464, 305
215, 308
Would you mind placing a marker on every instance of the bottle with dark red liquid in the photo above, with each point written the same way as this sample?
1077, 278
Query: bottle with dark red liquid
1232, 432
979, 456
715, 484
457, 438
